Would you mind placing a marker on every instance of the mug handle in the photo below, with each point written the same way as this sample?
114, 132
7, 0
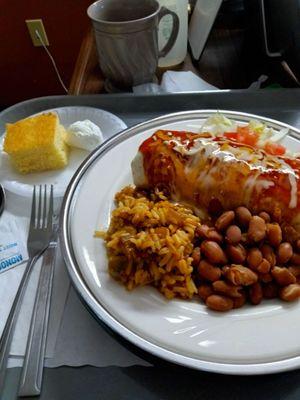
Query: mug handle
175, 29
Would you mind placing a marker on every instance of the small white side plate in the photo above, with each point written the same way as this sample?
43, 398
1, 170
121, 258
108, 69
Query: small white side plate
22, 184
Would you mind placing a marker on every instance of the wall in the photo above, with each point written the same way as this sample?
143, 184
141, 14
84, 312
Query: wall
25, 70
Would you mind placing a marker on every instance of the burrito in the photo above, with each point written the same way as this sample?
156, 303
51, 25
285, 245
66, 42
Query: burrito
201, 169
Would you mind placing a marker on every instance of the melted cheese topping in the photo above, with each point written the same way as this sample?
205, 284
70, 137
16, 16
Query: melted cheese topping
257, 161
293, 182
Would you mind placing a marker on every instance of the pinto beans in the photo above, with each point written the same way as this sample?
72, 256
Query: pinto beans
283, 276
268, 254
244, 239
214, 235
217, 302
208, 271
290, 292
238, 302
236, 253
255, 293
233, 234
213, 252
263, 253
264, 267
295, 259
295, 270
254, 258
265, 278
265, 216
202, 231
274, 234
257, 229
289, 233
225, 269
243, 216
239, 275
205, 290
224, 220
209, 233
227, 288
284, 253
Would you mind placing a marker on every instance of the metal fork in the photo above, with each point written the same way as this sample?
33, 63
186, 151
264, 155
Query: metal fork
32, 372
40, 230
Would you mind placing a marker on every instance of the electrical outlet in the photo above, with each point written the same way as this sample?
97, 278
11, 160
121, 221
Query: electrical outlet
36, 25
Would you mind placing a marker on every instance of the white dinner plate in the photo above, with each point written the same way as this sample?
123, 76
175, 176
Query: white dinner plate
250, 340
22, 184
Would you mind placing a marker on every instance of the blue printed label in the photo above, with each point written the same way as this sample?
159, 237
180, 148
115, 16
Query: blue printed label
9, 262
12, 244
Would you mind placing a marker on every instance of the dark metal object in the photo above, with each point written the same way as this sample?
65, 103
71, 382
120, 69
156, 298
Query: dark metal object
33, 364
275, 26
39, 236
282, 104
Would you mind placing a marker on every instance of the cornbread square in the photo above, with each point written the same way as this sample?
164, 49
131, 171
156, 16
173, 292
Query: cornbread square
36, 144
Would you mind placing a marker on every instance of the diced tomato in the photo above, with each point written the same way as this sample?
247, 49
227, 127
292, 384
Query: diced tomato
246, 136
275, 149
230, 135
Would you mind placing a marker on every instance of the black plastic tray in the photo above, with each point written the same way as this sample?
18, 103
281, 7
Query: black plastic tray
283, 104
166, 381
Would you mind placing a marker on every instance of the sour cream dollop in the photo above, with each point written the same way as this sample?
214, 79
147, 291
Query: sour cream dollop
84, 135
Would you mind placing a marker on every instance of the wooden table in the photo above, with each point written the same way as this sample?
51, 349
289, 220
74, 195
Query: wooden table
220, 64
87, 76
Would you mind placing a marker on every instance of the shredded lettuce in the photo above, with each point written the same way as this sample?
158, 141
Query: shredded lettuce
217, 124
278, 136
256, 126
264, 132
